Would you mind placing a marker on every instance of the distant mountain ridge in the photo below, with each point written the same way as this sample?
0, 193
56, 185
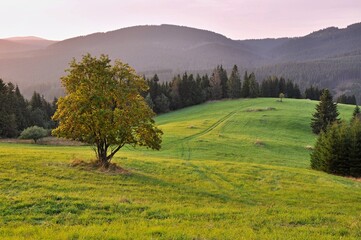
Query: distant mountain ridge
330, 57
23, 44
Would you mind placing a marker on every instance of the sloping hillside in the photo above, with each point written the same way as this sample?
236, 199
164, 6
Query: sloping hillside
227, 170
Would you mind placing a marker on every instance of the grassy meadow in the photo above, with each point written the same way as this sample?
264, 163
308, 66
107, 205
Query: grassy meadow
234, 169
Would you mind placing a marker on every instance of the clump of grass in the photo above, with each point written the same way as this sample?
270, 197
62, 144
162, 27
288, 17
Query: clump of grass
259, 143
260, 109
125, 200
96, 165
309, 147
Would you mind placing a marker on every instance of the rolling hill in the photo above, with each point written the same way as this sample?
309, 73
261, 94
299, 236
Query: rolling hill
169, 50
9, 46
236, 169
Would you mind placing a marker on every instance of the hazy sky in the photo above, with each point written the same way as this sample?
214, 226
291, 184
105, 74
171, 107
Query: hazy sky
242, 19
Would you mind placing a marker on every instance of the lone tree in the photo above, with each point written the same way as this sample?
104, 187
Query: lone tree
326, 113
34, 133
103, 107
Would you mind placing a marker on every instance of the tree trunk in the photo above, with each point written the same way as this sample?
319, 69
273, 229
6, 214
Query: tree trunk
102, 154
102, 150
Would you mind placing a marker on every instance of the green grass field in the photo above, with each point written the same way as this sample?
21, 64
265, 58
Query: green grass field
227, 170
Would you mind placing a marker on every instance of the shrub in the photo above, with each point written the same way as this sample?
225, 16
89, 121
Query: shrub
34, 133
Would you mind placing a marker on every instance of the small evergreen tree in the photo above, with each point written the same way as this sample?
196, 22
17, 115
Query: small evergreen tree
326, 113
356, 113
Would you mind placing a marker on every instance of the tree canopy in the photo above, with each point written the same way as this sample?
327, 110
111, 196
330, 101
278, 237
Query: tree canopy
103, 107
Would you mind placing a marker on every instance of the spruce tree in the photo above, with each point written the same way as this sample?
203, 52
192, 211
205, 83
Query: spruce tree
234, 83
161, 104
356, 113
224, 81
318, 154
206, 87
326, 113
331, 153
175, 95
216, 87
355, 148
253, 86
245, 86
341, 142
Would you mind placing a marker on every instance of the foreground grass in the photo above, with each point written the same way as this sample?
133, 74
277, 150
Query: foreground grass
227, 170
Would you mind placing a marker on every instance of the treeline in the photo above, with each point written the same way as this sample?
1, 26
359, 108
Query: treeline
188, 90
347, 99
16, 113
330, 73
314, 93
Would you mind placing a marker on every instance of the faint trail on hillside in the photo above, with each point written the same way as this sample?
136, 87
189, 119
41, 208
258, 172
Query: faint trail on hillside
186, 150
210, 128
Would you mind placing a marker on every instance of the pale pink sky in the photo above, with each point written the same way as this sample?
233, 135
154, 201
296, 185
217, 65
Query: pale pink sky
242, 19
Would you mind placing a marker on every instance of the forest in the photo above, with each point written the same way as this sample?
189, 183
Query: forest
18, 113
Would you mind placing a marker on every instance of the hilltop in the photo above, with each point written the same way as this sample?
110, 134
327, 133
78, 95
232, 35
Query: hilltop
328, 57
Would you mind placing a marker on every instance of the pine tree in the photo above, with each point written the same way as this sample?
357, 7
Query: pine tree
234, 83
161, 104
321, 152
355, 149
253, 86
149, 101
175, 95
224, 81
297, 92
216, 87
326, 113
206, 87
331, 153
246, 86
341, 142
356, 113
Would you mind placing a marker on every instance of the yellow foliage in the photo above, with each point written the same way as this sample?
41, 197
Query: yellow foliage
103, 106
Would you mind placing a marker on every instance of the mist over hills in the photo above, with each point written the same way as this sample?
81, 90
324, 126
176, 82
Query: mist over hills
22, 44
329, 58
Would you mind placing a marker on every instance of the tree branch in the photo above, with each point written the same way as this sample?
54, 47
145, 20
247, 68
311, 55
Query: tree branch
114, 152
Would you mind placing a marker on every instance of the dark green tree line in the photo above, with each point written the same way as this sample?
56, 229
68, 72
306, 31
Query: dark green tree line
347, 99
16, 113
